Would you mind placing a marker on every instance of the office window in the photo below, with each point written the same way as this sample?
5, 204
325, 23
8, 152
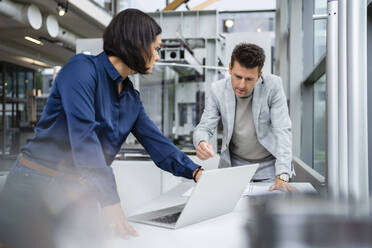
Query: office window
319, 126
320, 6
320, 27
9, 84
1, 81
123, 4
29, 80
21, 77
105, 4
17, 80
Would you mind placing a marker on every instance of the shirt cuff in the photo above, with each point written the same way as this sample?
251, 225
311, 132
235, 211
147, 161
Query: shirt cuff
179, 164
108, 199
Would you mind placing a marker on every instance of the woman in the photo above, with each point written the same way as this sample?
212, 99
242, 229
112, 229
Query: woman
91, 110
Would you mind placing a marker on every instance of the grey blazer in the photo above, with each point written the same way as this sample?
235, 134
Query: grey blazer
270, 117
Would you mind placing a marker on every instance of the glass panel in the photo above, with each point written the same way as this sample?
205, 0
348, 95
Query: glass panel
320, 27
320, 39
173, 99
1, 82
1, 115
319, 131
29, 80
38, 82
9, 84
21, 84
320, 7
123, 4
23, 115
105, 4
17, 79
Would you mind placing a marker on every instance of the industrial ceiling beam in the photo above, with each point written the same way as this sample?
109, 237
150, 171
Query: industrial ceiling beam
204, 4
175, 4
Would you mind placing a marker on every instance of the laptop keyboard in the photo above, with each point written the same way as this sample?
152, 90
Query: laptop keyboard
168, 219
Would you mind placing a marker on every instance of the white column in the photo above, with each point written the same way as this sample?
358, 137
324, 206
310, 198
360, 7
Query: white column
342, 101
357, 100
295, 74
332, 99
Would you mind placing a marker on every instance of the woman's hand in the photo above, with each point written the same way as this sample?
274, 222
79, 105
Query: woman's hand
117, 222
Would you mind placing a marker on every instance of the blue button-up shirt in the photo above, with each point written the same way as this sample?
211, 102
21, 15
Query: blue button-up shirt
85, 122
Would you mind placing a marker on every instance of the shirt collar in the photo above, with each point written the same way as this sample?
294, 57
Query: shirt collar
248, 95
110, 69
127, 84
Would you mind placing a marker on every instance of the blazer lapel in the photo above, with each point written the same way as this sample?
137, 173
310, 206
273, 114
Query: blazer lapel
256, 103
229, 108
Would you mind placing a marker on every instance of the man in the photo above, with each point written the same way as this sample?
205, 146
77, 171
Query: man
256, 124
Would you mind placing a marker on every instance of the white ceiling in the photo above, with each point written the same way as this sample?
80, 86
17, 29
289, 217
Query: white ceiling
12, 33
221, 5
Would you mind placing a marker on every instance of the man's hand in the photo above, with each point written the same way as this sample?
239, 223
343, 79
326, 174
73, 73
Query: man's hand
204, 150
282, 186
116, 220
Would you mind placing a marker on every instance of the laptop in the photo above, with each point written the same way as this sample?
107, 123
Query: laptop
216, 193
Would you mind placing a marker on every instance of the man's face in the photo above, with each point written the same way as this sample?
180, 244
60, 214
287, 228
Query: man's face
155, 47
243, 79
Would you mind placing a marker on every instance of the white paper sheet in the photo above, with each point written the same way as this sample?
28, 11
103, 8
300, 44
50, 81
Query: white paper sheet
250, 190
255, 189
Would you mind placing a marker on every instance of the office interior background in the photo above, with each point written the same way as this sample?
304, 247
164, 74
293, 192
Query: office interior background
38, 36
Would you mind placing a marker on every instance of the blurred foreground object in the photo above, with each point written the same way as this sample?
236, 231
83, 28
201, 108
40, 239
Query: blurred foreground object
310, 222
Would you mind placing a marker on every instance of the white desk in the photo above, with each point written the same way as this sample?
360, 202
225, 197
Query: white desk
229, 230
138, 182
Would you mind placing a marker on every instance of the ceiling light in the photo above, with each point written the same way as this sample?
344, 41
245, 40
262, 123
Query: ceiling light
34, 40
259, 30
33, 62
61, 12
229, 23
62, 8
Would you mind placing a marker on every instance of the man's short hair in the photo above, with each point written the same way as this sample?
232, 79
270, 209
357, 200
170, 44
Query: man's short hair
129, 36
248, 55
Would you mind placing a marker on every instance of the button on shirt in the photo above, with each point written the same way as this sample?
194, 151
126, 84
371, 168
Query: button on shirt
85, 122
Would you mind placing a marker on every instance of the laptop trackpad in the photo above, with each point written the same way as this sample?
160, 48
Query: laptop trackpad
167, 219
166, 215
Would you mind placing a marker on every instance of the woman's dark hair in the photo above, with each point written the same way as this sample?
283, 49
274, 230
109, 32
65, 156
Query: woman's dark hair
248, 55
129, 36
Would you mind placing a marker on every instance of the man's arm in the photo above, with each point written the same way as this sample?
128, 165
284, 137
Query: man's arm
281, 128
208, 124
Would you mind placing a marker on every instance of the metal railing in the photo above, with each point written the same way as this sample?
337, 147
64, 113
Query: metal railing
304, 173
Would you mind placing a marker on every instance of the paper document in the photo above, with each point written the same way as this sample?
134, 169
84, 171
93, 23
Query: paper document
250, 190
259, 189
255, 189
